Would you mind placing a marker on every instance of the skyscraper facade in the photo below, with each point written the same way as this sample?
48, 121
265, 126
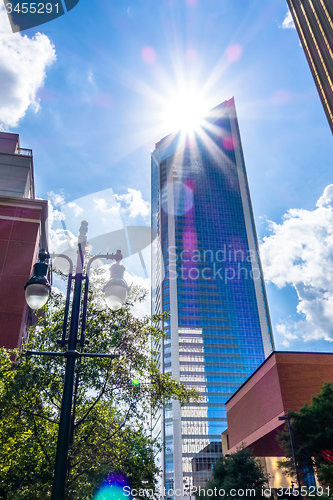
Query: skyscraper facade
314, 23
206, 274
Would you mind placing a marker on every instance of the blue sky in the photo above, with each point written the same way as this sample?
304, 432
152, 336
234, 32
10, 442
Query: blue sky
89, 96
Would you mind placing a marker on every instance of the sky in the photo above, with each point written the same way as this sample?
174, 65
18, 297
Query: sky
91, 93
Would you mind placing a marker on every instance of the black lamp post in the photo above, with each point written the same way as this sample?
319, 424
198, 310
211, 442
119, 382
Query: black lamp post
287, 419
37, 291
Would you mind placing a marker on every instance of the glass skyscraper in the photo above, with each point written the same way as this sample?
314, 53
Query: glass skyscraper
314, 23
206, 273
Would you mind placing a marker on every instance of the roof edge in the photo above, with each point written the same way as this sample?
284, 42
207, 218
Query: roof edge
269, 357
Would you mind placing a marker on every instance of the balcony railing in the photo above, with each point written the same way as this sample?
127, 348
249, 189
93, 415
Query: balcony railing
24, 152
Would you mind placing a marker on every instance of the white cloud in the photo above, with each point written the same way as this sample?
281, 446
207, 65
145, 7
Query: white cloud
100, 209
288, 23
134, 203
23, 63
53, 215
56, 198
90, 79
299, 251
327, 198
94, 207
76, 209
59, 239
143, 308
288, 337
102, 205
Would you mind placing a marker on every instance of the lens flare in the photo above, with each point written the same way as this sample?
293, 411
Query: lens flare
234, 52
281, 96
229, 142
192, 3
103, 100
113, 488
191, 55
148, 54
182, 198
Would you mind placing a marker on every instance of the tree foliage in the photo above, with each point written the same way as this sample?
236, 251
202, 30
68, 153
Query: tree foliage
312, 430
238, 472
110, 424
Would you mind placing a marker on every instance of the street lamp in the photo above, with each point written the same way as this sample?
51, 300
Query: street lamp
287, 419
115, 290
37, 291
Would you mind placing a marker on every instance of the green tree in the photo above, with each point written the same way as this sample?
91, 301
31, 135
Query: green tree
110, 425
312, 430
238, 472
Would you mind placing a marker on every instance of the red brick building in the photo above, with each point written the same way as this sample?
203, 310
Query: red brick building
284, 382
23, 229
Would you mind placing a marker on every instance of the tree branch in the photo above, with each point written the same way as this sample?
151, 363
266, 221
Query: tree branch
40, 444
76, 425
30, 412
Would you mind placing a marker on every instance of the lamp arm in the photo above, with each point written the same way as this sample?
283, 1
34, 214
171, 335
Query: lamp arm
117, 256
109, 256
63, 256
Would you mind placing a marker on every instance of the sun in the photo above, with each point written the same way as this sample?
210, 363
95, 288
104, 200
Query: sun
185, 110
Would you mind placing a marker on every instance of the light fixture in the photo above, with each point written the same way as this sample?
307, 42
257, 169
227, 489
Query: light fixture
38, 289
115, 291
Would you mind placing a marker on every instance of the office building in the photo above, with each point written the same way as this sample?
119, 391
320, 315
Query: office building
287, 380
22, 230
206, 274
314, 23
